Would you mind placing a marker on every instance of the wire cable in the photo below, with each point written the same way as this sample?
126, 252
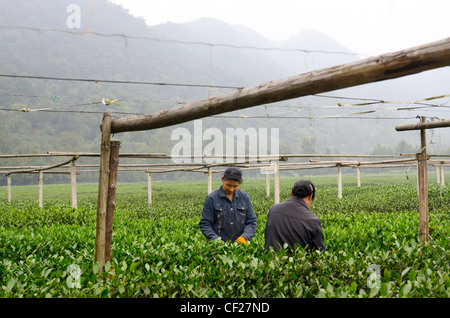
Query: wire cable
126, 37
113, 81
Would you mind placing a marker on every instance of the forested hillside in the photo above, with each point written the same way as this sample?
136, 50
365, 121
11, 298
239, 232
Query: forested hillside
36, 41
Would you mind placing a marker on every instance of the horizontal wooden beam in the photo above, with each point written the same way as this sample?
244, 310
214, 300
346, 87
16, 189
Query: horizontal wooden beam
424, 125
379, 68
43, 168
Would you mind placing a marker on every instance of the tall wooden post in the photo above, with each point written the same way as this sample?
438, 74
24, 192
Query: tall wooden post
149, 187
423, 186
41, 188
339, 181
73, 183
441, 179
209, 180
112, 185
438, 175
358, 176
422, 170
8, 177
277, 181
102, 202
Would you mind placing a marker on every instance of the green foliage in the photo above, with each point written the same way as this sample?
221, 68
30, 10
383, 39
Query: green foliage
158, 251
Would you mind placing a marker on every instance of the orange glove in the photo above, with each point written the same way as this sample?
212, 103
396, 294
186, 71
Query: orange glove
241, 240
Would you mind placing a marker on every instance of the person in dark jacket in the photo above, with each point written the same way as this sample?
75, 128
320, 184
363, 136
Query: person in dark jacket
228, 212
292, 222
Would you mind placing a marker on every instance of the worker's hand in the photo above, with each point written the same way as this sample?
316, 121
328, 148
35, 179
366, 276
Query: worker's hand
241, 240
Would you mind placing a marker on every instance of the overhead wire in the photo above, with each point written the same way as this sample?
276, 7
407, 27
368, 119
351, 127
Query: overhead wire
114, 81
366, 102
149, 38
273, 116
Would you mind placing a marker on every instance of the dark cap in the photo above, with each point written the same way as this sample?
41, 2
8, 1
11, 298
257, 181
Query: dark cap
304, 188
233, 173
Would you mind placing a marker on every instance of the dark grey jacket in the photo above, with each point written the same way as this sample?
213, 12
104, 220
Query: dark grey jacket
292, 222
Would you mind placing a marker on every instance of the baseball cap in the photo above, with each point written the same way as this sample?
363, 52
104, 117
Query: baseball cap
233, 173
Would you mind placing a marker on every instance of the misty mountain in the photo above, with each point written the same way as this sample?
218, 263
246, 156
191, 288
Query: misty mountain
36, 40
319, 51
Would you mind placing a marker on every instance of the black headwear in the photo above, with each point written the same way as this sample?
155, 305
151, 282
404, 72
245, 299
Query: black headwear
233, 173
304, 188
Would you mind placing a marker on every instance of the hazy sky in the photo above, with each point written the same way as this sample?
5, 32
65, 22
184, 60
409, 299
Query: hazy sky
364, 26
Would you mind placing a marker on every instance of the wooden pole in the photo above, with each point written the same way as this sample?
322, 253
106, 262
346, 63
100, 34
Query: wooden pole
113, 164
424, 125
418, 178
378, 68
102, 202
73, 183
267, 183
422, 179
277, 181
209, 180
41, 188
37, 169
423, 186
149, 187
438, 175
358, 176
8, 178
339, 181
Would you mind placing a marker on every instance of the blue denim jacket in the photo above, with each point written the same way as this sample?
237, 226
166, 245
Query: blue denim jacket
228, 219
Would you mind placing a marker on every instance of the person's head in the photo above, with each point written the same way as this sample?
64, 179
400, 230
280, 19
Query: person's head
304, 189
231, 179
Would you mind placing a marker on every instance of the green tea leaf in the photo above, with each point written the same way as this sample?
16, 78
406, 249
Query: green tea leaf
405, 271
405, 289
447, 280
384, 290
107, 266
387, 274
134, 265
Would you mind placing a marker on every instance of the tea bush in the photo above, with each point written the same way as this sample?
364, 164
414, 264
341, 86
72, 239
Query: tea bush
371, 235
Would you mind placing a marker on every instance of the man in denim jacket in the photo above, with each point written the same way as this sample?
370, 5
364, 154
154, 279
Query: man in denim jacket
228, 212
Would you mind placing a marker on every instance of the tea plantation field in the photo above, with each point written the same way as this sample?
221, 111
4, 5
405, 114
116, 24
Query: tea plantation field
371, 235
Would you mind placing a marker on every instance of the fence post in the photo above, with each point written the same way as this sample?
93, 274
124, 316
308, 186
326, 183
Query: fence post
209, 180
339, 181
8, 178
358, 175
73, 183
277, 181
149, 187
102, 202
423, 186
438, 175
41, 188
112, 185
